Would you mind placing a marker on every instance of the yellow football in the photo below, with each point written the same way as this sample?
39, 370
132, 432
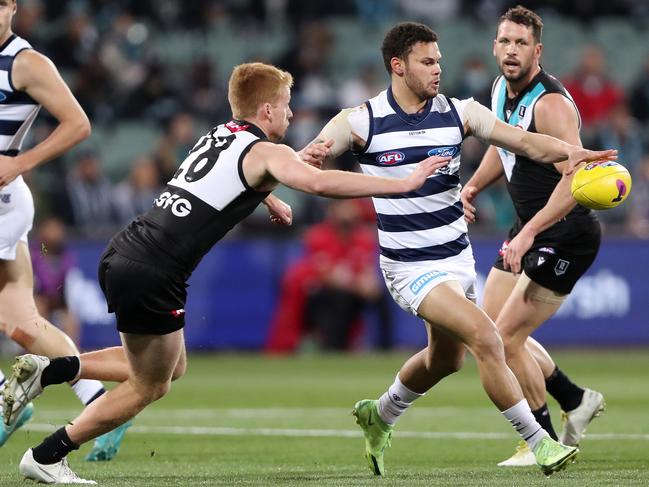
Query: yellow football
601, 185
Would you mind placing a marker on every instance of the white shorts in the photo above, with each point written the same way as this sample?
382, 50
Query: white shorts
410, 282
16, 217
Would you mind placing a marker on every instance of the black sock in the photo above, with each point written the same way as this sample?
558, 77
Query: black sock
542, 416
567, 394
60, 370
54, 447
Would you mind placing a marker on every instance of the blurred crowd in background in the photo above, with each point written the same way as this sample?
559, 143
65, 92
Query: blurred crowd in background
152, 77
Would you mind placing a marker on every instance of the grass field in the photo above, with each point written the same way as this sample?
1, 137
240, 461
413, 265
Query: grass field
250, 420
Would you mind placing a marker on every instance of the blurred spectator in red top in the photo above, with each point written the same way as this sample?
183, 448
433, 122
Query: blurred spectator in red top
325, 293
52, 262
594, 93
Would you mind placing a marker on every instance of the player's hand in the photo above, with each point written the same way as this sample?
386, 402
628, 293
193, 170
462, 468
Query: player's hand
467, 196
516, 249
425, 168
280, 212
584, 155
316, 152
10, 169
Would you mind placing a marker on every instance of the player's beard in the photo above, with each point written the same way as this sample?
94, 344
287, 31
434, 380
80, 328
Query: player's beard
418, 88
522, 73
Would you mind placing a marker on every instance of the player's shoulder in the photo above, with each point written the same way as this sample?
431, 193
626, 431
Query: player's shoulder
266, 149
550, 83
356, 114
552, 105
445, 103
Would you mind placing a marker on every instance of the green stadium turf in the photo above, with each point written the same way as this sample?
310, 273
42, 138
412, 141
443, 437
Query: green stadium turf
251, 420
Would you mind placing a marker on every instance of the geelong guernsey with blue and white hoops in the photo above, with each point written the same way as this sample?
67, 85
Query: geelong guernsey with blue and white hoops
422, 234
426, 224
17, 109
17, 113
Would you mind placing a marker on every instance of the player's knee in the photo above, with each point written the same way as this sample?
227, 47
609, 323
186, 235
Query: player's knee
151, 391
179, 371
487, 343
19, 317
446, 363
512, 341
451, 365
159, 390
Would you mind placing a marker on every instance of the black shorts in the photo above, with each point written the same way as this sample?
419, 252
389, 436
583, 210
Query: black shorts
145, 298
557, 264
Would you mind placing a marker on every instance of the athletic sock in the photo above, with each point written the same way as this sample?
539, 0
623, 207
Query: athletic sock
60, 370
542, 416
395, 401
88, 390
566, 392
54, 448
522, 419
2, 378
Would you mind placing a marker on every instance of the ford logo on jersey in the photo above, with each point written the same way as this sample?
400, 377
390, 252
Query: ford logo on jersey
392, 157
443, 151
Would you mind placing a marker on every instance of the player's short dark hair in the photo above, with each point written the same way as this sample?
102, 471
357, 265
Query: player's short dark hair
399, 40
524, 16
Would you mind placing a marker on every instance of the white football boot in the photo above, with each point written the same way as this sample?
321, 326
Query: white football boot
23, 385
56, 473
522, 457
576, 421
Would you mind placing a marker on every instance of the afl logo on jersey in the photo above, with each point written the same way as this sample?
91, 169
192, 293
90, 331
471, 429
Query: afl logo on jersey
389, 158
443, 151
179, 206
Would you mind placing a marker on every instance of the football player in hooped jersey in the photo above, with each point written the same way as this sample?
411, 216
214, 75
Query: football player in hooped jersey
426, 257
553, 241
143, 272
29, 80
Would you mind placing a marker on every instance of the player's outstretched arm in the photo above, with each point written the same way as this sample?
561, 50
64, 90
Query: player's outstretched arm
283, 164
538, 147
36, 75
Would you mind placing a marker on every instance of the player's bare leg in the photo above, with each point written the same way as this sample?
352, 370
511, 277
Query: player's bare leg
23, 324
443, 356
498, 287
155, 360
447, 307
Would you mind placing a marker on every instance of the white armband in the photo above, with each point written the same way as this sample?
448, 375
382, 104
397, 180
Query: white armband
481, 120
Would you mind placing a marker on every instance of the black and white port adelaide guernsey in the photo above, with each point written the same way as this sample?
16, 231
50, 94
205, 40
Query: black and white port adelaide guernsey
207, 196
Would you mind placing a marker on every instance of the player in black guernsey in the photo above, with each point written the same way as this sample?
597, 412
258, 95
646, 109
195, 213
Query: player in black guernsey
553, 241
143, 272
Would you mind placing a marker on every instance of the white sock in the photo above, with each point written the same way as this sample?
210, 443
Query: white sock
2, 378
395, 401
521, 417
88, 390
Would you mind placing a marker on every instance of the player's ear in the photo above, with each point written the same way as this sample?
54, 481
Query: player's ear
267, 111
398, 66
